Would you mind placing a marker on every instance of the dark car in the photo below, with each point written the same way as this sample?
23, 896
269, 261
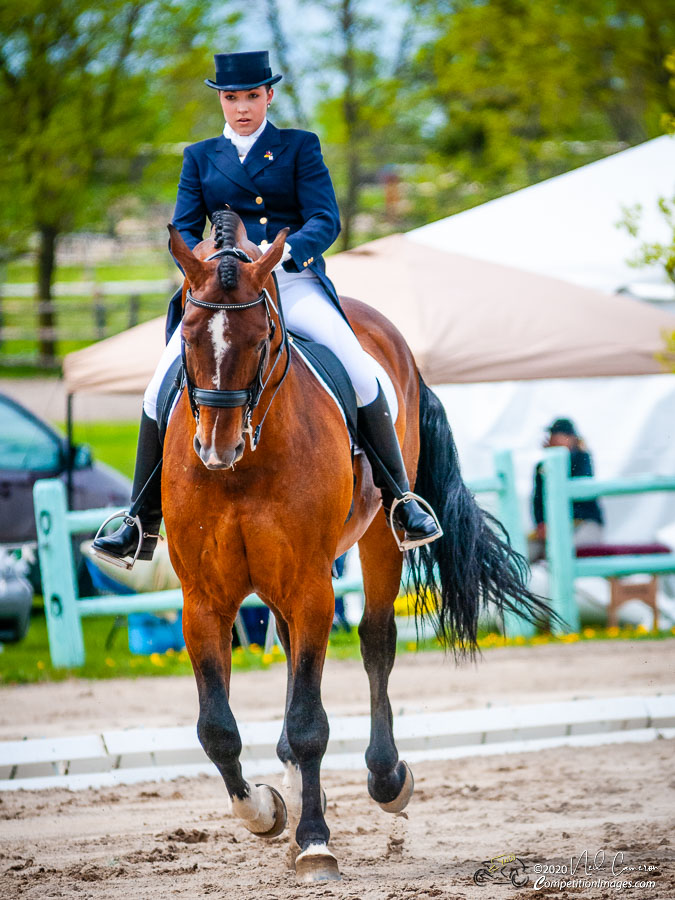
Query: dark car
32, 449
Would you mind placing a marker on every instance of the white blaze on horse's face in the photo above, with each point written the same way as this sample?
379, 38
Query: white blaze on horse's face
219, 338
207, 449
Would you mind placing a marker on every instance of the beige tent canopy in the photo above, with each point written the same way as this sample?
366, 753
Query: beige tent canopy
466, 320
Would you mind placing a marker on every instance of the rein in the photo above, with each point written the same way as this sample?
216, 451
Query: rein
248, 397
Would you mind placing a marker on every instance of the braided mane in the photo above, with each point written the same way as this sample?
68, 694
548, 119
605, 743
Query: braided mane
225, 223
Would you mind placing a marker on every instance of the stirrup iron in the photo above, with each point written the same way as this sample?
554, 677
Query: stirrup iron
128, 520
410, 544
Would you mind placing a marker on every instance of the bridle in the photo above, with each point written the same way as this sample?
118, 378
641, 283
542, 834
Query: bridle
248, 397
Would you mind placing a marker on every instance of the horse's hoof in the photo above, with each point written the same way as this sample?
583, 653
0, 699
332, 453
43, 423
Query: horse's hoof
316, 863
279, 820
398, 804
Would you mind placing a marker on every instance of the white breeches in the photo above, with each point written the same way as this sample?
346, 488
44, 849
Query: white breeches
310, 313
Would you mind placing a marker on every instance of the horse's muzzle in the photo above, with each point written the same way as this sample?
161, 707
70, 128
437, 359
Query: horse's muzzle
223, 459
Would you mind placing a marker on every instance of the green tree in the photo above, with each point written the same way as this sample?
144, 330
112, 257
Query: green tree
85, 89
650, 253
525, 89
365, 130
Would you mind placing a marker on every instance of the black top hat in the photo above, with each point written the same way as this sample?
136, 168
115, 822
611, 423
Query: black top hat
241, 71
563, 426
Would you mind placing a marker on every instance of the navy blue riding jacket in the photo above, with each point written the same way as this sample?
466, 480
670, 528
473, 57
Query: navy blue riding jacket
282, 182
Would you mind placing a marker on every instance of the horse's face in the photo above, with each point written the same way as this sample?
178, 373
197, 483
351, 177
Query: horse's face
225, 349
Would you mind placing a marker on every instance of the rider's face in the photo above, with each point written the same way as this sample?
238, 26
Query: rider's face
245, 110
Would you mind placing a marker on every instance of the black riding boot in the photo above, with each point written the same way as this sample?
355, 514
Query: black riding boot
378, 438
146, 496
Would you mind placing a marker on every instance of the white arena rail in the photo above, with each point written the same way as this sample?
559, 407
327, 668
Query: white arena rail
159, 754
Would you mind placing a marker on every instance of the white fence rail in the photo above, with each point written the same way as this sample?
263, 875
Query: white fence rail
157, 754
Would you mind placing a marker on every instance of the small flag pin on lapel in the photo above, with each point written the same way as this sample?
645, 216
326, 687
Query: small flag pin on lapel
269, 155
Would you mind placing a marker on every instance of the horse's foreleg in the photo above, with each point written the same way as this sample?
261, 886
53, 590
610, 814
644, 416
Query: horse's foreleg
208, 638
390, 781
292, 777
306, 730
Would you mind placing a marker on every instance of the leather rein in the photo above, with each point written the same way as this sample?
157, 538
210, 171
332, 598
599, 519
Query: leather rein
248, 397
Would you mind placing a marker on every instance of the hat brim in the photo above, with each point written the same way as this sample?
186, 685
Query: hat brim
241, 87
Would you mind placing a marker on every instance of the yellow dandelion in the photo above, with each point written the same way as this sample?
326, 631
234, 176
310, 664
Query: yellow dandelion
276, 650
589, 632
255, 648
156, 659
110, 662
641, 629
267, 658
613, 631
40, 664
411, 646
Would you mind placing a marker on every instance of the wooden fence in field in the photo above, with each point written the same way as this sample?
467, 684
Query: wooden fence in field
82, 312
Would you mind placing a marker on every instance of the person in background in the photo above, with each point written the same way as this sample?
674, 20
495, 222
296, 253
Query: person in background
588, 518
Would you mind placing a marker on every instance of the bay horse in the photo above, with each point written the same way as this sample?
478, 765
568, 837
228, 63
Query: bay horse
272, 522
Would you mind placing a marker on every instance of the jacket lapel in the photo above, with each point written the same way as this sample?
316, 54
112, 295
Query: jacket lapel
266, 150
225, 158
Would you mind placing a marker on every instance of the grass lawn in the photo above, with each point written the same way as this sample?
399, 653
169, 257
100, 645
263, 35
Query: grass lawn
29, 661
113, 443
142, 267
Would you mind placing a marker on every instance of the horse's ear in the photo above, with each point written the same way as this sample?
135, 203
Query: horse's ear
192, 266
270, 257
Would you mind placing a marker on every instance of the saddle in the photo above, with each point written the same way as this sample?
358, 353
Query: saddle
321, 361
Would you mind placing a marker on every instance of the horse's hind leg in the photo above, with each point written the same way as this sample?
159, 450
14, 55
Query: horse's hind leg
208, 638
390, 781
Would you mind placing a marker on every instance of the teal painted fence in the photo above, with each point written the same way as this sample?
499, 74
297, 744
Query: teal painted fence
64, 610
560, 490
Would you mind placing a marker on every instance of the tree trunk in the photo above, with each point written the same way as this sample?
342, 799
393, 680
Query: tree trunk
281, 49
46, 311
350, 112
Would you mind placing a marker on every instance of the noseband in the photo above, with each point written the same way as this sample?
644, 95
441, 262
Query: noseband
248, 397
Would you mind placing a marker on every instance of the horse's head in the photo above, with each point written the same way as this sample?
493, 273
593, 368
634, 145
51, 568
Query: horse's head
227, 333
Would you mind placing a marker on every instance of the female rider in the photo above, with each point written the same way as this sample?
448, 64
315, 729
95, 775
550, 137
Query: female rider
272, 178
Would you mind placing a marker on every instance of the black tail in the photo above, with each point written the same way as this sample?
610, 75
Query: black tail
474, 562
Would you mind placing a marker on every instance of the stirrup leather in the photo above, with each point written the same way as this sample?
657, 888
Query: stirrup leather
128, 520
410, 544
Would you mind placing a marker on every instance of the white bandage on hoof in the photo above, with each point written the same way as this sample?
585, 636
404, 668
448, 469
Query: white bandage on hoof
263, 812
